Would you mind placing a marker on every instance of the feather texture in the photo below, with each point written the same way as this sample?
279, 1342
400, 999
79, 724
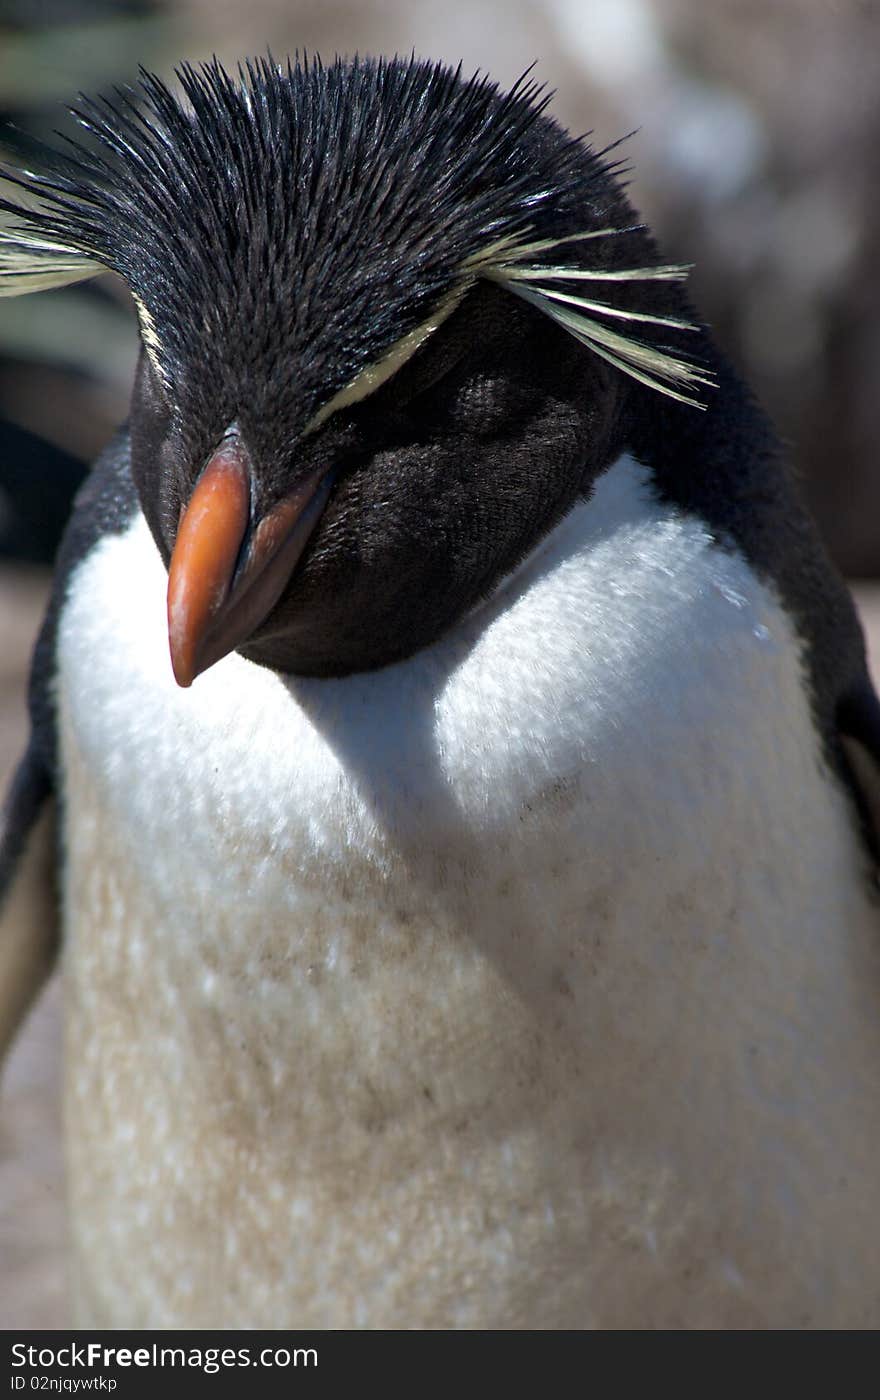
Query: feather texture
654, 366
31, 262
380, 190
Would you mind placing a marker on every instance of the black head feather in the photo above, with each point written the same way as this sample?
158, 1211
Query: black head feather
282, 231
325, 209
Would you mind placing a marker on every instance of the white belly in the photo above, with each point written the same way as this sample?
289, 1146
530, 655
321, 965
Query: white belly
532, 982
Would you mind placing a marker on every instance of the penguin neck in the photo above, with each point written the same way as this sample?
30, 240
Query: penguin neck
713, 463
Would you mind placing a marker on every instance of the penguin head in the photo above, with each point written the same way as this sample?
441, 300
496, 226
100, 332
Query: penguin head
391, 321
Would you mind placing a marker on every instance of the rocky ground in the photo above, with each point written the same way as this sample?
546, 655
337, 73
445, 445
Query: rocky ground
32, 1222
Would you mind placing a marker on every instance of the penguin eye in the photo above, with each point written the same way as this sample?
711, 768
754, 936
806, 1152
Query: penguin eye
430, 374
434, 371
462, 376
465, 323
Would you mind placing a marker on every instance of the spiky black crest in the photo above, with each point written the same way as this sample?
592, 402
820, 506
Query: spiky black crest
338, 205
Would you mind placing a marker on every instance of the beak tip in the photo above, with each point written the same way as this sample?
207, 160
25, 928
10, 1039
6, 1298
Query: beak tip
183, 655
184, 675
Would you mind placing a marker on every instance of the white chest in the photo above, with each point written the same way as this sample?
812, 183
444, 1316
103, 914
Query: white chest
502, 987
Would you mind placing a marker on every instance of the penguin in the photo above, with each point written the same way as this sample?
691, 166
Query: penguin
453, 775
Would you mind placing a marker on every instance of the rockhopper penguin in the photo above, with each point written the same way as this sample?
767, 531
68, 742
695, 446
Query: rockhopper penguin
487, 937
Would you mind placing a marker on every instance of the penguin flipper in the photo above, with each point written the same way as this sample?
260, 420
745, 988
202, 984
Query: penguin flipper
29, 932
858, 720
29, 915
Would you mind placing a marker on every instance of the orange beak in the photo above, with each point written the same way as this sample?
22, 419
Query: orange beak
220, 588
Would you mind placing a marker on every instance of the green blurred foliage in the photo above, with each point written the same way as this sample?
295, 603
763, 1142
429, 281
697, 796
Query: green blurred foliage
75, 348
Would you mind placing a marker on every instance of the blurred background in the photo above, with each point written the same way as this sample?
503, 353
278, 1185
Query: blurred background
756, 127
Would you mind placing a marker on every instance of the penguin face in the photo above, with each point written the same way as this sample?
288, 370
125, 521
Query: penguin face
375, 369
359, 542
